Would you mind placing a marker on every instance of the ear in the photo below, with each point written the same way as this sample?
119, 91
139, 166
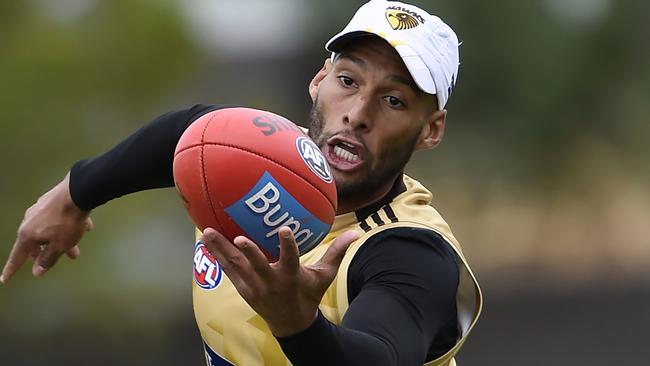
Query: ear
320, 75
432, 131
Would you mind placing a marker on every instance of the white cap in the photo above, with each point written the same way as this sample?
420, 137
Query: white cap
428, 46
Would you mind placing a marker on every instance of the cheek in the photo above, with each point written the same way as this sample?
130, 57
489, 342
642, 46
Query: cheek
329, 106
395, 138
334, 95
327, 94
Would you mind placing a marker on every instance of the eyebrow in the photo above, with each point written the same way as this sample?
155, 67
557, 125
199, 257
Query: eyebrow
406, 81
354, 59
393, 77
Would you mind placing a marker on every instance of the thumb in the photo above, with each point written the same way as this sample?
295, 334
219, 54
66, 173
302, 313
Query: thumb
334, 254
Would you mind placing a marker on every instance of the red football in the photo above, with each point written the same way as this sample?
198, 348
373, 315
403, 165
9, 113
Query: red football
248, 172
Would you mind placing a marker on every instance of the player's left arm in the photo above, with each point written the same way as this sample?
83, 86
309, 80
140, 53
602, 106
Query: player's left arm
403, 286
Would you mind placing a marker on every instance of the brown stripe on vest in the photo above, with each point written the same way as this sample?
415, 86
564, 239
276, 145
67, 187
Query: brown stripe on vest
390, 213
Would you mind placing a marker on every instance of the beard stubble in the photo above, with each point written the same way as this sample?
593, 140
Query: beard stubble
378, 171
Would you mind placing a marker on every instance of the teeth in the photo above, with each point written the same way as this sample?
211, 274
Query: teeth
345, 155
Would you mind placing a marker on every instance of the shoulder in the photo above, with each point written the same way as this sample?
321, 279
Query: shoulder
406, 242
409, 237
421, 256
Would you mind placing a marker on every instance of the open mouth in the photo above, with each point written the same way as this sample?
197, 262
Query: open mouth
345, 151
343, 154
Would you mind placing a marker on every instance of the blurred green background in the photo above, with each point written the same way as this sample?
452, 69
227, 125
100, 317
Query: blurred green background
543, 173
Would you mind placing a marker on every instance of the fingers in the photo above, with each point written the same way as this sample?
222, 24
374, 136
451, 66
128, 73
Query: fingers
254, 254
73, 252
89, 225
334, 254
44, 256
225, 253
46, 260
35, 251
242, 261
19, 253
217, 244
52, 226
289, 252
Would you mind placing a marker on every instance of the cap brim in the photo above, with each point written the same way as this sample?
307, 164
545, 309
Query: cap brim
414, 64
339, 41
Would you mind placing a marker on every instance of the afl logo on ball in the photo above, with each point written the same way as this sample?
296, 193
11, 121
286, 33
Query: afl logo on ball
313, 157
207, 272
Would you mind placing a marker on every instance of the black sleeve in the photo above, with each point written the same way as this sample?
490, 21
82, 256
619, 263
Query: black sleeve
141, 161
402, 285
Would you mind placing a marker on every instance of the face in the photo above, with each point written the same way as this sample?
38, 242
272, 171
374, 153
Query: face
368, 117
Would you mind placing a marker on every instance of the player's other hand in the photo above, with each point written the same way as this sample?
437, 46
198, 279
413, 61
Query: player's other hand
286, 294
51, 227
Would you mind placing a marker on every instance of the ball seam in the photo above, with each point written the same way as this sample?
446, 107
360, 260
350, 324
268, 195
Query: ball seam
204, 176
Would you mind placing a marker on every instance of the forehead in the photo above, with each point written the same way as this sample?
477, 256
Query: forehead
374, 54
375, 50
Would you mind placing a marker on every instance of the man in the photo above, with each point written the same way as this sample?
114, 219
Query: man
388, 286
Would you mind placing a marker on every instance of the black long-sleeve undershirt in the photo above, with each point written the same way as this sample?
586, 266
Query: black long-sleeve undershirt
141, 161
401, 284
402, 287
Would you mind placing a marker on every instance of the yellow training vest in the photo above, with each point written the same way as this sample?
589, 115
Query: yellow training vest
235, 335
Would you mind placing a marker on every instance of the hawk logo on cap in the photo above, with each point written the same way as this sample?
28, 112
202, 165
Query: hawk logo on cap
401, 20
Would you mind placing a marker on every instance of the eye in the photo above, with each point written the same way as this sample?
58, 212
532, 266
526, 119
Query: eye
394, 102
346, 80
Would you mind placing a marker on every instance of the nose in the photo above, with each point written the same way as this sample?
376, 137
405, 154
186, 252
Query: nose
359, 114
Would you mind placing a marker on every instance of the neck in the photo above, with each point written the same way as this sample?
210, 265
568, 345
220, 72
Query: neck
356, 201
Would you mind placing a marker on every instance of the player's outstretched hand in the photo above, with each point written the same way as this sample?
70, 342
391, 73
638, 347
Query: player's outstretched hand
52, 226
285, 294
